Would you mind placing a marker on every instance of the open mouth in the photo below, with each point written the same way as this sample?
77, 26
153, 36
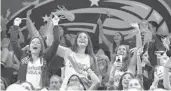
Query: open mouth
35, 48
126, 82
82, 41
118, 66
121, 53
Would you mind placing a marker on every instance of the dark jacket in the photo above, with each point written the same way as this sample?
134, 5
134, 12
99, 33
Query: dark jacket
24, 57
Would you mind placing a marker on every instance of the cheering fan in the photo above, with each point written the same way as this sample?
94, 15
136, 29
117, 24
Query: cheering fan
146, 34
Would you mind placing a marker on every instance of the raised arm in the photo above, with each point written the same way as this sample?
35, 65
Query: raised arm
49, 34
16, 62
49, 29
30, 25
136, 58
139, 66
56, 34
14, 38
21, 37
103, 38
54, 47
101, 33
132, 63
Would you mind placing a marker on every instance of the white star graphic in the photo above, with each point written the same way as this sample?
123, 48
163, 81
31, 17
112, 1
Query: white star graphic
94, 2
45, 18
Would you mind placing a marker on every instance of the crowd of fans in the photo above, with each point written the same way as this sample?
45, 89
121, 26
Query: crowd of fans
145, 67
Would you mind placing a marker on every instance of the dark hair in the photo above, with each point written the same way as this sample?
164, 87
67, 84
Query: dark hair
78, 79
89, 48
120, 87
65, 29
154, 24
42, 47
144, 51
122, 41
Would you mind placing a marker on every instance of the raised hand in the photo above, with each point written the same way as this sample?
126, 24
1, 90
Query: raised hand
99, 21
133, 50
134, 24
143, 25
55, 20
158, 74
8, 13
140, 51
17, 21
108, 13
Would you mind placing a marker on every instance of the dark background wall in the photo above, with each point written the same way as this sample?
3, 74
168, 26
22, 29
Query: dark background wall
113, 24
15, 5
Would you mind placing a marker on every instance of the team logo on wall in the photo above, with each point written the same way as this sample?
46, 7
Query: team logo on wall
115, 15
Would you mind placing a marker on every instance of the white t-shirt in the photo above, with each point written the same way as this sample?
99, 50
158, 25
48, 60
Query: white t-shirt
34, 73
69, 70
